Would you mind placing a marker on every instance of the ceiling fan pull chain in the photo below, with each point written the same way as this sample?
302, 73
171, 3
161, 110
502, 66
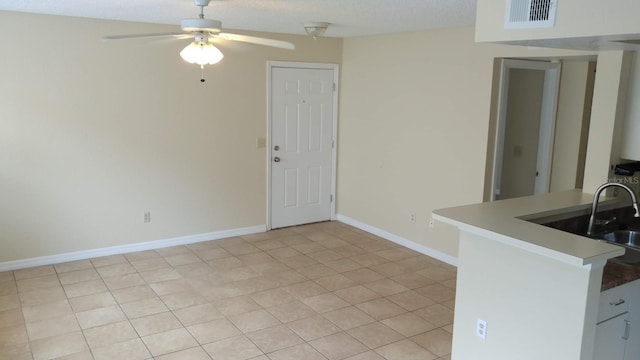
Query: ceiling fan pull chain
202, 73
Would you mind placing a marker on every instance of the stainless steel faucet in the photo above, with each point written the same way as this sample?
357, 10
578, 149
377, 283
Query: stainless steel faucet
596, 197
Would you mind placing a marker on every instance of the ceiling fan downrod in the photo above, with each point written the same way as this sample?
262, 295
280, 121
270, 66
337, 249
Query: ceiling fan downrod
201, 4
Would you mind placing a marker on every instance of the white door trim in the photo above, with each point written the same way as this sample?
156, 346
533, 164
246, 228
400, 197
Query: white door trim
303, 65
547, 121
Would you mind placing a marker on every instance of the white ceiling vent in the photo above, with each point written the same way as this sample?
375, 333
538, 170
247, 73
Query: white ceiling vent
525, 14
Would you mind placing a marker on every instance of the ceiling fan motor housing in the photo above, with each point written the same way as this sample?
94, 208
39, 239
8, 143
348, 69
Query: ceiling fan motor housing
207, 25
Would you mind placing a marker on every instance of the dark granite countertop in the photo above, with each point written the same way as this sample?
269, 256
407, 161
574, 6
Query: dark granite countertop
616, 274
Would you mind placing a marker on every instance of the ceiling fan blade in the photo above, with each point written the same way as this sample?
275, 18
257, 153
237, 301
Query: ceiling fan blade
257, 40
176, 34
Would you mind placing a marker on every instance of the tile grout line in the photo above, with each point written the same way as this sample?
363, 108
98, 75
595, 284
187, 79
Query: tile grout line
282, 261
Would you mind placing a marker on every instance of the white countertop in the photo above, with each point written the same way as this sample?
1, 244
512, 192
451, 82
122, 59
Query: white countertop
502, 221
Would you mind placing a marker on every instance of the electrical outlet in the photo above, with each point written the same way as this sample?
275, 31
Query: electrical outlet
412, 217
147, 217
432, 223
481, 329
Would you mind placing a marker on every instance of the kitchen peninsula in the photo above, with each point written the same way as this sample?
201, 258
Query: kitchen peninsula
536, 288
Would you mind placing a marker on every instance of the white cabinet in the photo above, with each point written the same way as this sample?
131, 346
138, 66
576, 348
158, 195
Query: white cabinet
618, 312
611, 338
632, 350
631, 135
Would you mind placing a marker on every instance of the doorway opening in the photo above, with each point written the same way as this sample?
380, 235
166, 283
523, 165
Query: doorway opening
537, 143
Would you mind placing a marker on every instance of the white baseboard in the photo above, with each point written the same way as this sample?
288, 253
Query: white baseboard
399, 240
191, 239
123, 249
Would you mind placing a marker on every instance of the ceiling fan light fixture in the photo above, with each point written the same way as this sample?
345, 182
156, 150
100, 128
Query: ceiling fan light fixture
316, 29
201, 53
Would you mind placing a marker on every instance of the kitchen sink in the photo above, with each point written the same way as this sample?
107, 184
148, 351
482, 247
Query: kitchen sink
623, 237
616, 232
630, 240
631, 256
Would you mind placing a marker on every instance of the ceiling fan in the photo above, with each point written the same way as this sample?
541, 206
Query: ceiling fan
204, 32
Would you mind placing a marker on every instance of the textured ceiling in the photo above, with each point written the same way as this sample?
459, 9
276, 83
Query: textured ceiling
347, 17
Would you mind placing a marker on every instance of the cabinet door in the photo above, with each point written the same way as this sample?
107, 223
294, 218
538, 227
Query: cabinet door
632, 350
610, 338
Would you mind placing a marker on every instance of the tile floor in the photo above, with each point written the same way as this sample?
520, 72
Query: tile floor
319, 291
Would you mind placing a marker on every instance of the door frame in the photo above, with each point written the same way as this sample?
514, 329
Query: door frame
548, 114
334, 150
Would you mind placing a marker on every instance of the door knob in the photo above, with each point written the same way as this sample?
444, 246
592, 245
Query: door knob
276, 159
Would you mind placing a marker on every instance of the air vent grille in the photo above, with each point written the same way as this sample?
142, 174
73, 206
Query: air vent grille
522, 14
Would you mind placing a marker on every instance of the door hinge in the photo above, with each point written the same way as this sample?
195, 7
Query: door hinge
334, 86
333, 144
331, 198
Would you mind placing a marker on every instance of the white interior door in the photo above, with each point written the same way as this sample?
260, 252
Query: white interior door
301, 145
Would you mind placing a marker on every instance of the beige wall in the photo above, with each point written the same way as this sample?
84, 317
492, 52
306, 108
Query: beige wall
96, 133
414, 125
567, 171
93, 134
630, 147
607, 117
574, 18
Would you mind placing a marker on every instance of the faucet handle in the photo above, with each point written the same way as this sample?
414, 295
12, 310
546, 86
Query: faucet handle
605, 222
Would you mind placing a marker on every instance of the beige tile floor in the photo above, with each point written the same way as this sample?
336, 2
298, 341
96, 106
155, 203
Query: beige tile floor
319, 291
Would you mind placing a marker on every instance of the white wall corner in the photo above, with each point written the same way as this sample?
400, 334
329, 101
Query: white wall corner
123, 249
425, 250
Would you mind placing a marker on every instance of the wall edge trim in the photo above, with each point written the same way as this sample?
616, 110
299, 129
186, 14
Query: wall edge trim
425, 250
128, 248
